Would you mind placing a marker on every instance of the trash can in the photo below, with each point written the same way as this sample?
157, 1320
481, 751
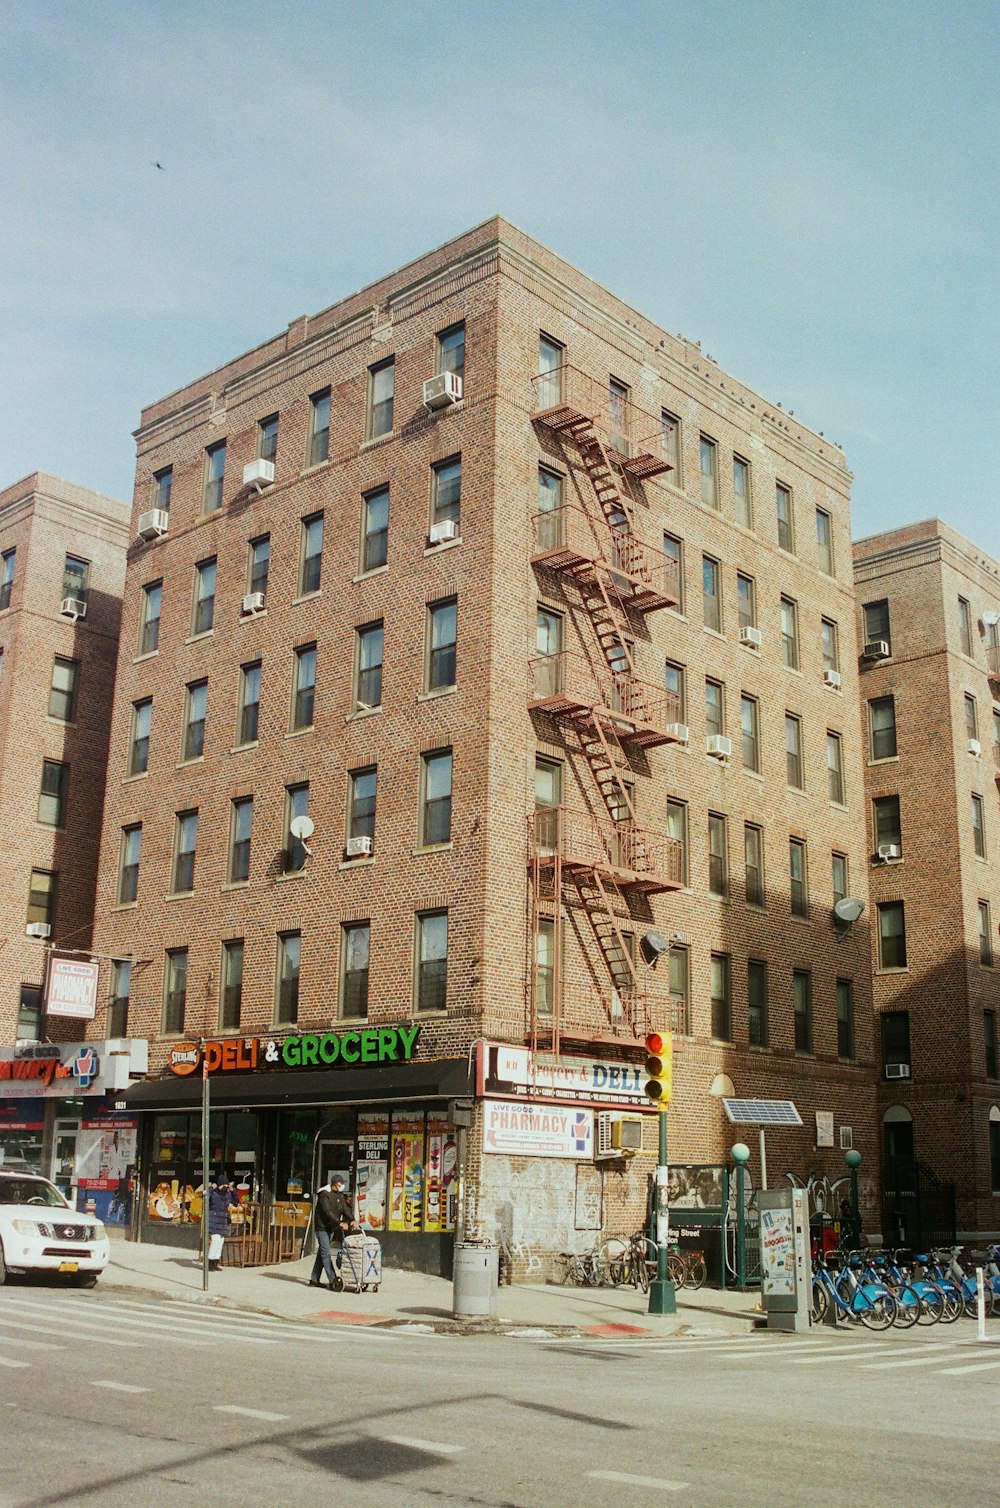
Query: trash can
475, 1279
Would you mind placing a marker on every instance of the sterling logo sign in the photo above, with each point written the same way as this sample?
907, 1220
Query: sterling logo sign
352, 1049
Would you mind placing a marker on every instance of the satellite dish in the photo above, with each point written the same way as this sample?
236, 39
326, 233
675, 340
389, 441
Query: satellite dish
656, 942
848, 910
991, 619
302, 828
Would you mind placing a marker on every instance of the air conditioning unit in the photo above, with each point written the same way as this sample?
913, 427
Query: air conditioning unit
258, 473
887, 851
897, 1070
751, 636
358, 848
73, 607
38, 929
975, 747
846, 1138
831, 678
253, 603
616, 1135
442, 532
679, 732
442, 391
153, 524
875, 649
718, 746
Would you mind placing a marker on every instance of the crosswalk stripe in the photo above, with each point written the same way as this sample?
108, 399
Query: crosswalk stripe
234, 1408
9, 1324
909, 1361
812, 1361
628, 1480
780, 1350
438, 1447
223, 1323
30, 1345
71, 1324
7, 1361
975, 1366
118, 1387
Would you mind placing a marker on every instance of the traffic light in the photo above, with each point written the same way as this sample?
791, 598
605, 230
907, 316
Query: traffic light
659, 1067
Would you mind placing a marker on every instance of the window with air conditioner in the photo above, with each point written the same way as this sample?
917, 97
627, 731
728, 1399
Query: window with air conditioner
362, 794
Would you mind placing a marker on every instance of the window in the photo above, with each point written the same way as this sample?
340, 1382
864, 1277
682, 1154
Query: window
845, 1019
442, 627
319, 428
248, 723
750, 731
802, 1007
215, 471
618, 415
746, 600
824, 541
52, 796
231, 1004
259, 564
670, 443
675, 682
204, 596
786, 522
548, 667
289, 966
311, 555
195, 708
718, 858
838, 876
829, 644
129, 854
450, 350
368, 690
548, 796
29, 1014
985, 934
149, 617
362, 790
741, 492
354, 953
296, 805
896, 1038
753, 855
990, 1043
798, 877
708, 463
891, 935
971, 717
882, 723
722, 1024
142, 720
240, 829
994, 1124
711, 594
76, 578
545, 965
62, 696
888, 828
715, 708
163, 483
549, 383
835, 767
446, 492
432, 960
304, 687
678, 978
965, 625
789, 633
757, 1002
7, 562
978, 830
435, 802
374, 529
42, 896
381, 382
267, 438
793, 751
121, 989
175, 991
185, 848
673, 549
876, 618
677, 830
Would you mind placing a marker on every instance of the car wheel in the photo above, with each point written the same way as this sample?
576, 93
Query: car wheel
87, 1280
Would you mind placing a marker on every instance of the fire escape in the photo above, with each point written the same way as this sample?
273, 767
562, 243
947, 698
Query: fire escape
606, 710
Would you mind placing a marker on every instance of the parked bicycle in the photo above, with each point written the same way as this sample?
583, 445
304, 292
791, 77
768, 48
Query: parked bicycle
870, 1303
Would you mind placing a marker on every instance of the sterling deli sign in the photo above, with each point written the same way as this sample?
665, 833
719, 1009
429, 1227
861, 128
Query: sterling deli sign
352, 1049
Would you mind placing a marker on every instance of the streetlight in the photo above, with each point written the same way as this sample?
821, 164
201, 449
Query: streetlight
740, 1154
853, 1161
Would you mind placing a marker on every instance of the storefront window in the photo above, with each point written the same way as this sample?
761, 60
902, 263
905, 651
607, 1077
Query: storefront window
175, 1185
22, 1124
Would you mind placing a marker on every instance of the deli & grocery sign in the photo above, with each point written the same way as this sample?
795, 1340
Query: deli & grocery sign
351, 1049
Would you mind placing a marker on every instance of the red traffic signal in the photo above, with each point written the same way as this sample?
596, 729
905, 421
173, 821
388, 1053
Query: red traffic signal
659, 1067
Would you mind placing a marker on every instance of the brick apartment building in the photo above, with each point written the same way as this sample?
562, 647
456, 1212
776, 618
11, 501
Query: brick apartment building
546, 624
929, 606
62, 570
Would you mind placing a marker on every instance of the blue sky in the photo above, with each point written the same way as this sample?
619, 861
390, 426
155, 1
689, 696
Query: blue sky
808, 189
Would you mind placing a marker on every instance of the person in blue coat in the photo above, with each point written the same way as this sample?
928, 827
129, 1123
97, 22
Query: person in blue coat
219, 1198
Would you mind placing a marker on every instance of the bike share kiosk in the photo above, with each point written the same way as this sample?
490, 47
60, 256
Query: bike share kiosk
785, 1268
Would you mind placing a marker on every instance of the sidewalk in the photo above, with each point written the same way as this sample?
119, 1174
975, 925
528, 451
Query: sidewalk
418, 1300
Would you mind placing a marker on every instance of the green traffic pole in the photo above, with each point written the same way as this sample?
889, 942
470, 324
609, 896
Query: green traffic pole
741, 1228
662, 1295
853, 1160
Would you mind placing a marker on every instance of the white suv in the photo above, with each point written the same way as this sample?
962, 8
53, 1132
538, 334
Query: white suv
40, 1232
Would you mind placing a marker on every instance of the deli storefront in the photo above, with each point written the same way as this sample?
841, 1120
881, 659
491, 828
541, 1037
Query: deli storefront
285, 1113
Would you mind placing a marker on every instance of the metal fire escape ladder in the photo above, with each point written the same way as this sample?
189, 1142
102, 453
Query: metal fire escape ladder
600, 910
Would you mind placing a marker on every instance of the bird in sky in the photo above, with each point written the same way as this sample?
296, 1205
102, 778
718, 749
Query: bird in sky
160, 166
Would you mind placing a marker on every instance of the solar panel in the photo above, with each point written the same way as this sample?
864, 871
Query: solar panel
762, 1113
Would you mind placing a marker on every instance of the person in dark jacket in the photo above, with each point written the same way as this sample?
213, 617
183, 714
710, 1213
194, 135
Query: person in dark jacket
332, 1217
219, 1198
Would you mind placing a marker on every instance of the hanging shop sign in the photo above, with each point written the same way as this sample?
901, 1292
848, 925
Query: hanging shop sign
353, 1049
72, 988
538, 1130
518, 1073
51, 1070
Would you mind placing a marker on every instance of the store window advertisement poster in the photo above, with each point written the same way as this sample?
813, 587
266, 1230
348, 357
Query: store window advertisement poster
441, 1199
372, 1169
407, 1187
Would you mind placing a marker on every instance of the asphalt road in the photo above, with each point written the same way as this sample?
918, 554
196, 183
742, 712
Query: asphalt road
110, 1400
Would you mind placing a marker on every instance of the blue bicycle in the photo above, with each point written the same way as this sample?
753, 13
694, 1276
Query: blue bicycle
871, 1303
